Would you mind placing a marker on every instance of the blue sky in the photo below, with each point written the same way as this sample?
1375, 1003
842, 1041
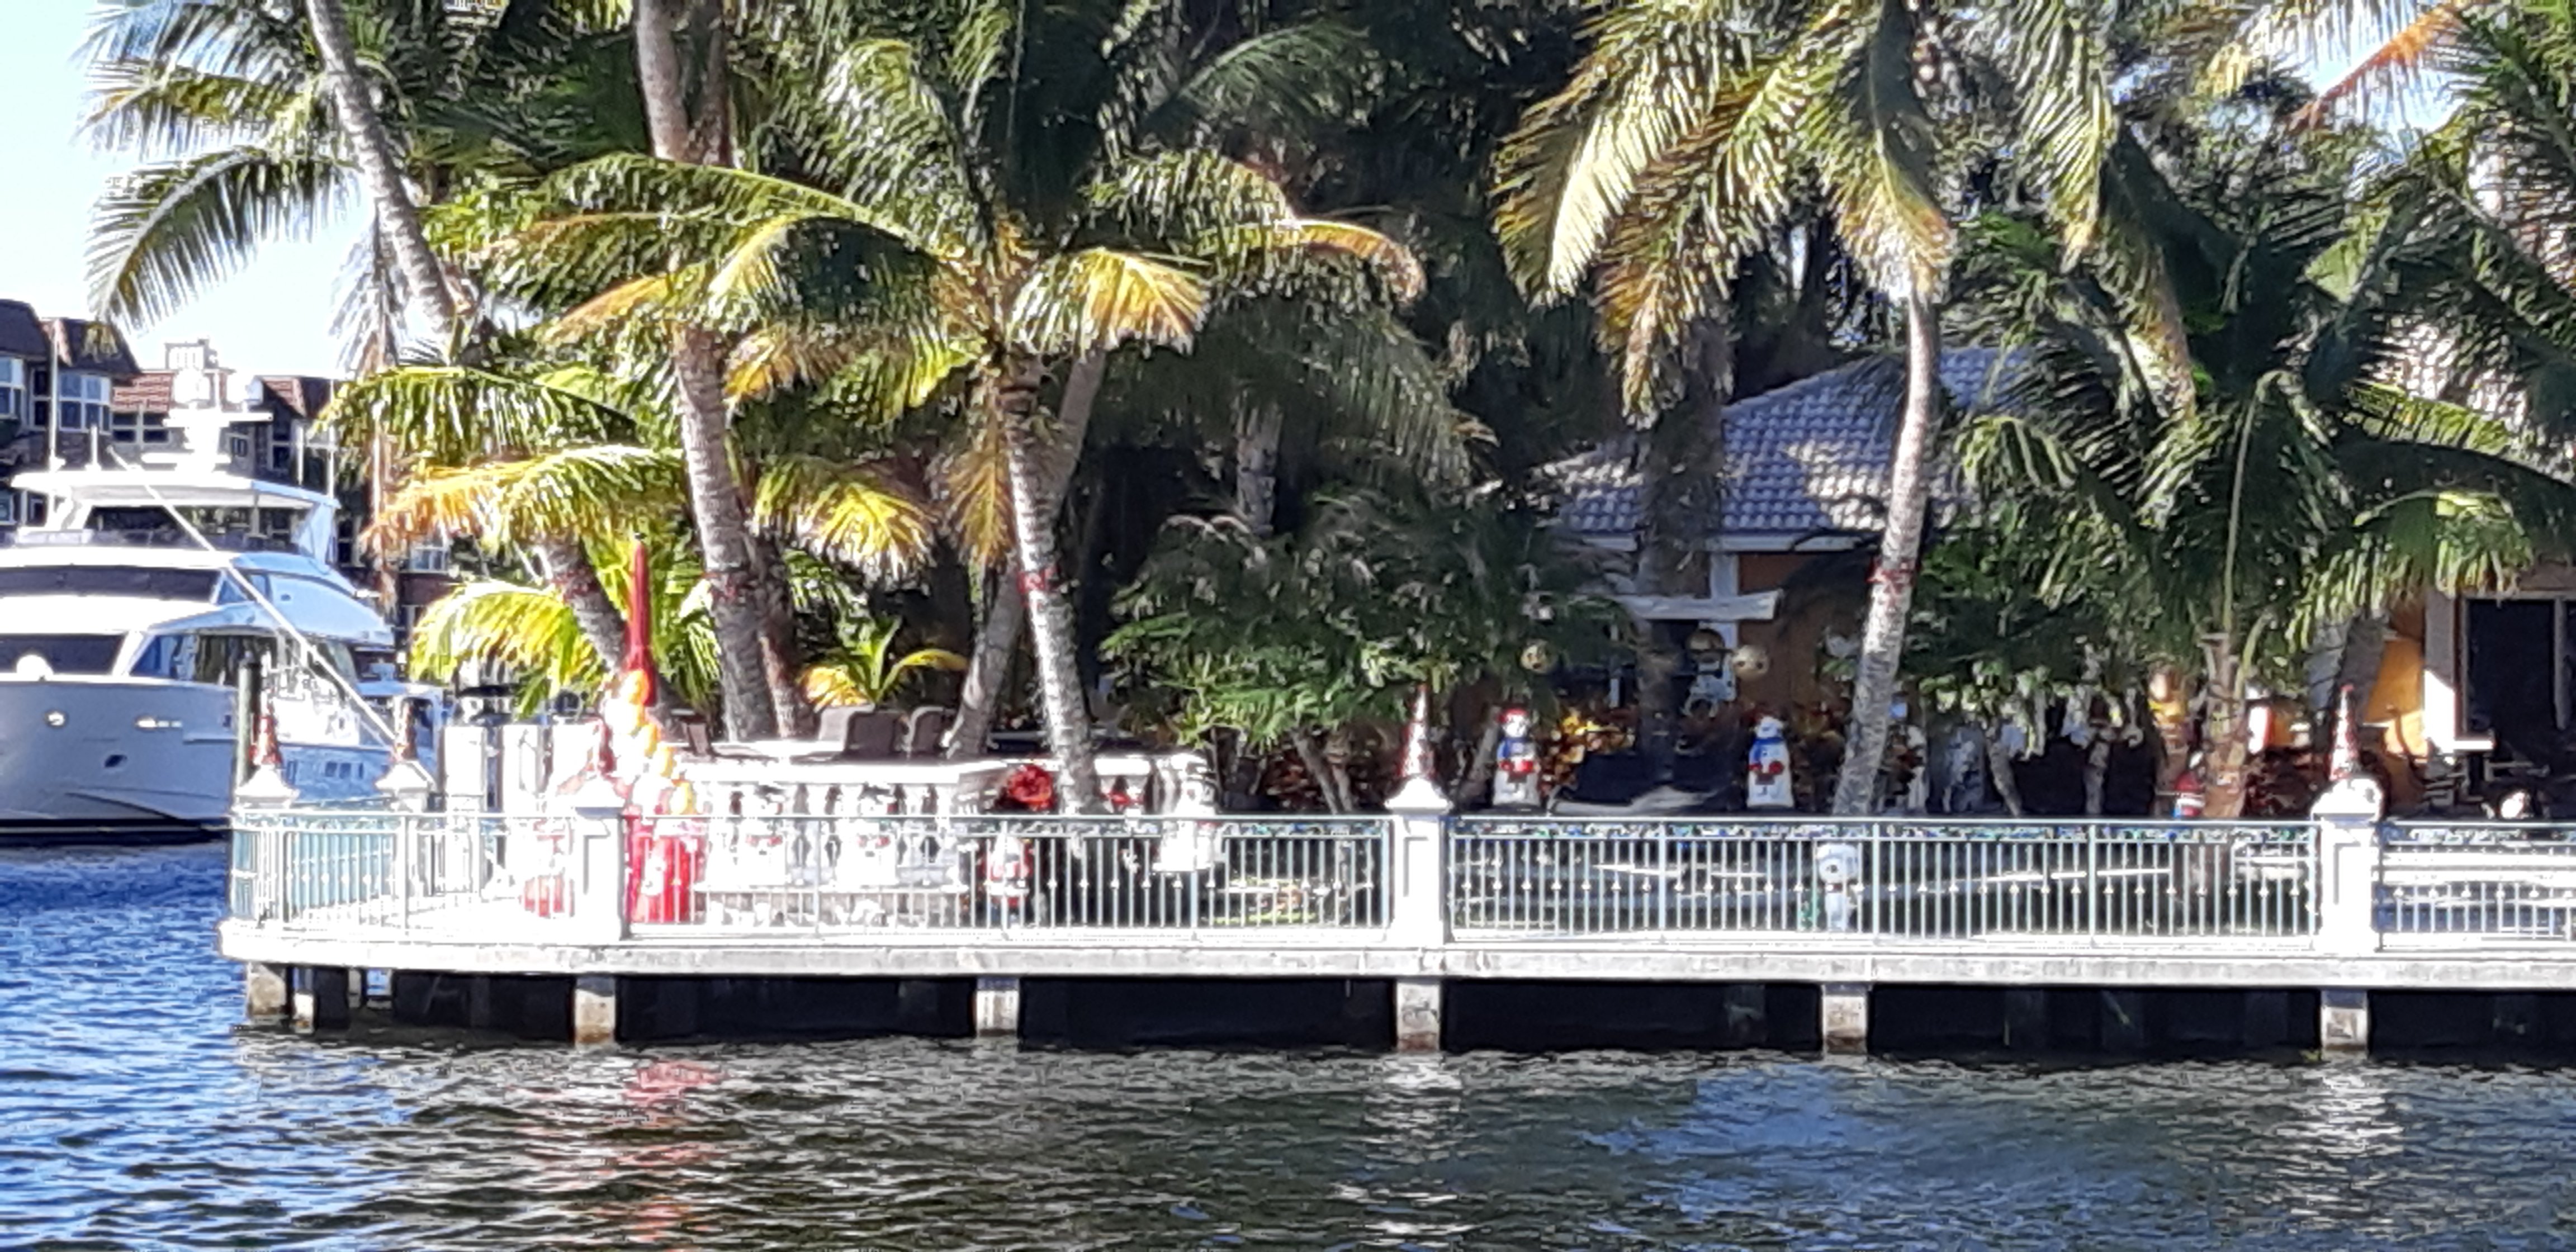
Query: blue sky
274, 317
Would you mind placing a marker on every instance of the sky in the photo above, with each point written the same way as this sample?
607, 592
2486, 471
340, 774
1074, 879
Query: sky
274, 317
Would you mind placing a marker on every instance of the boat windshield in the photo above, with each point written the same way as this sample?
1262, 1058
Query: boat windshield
63, 654
110, 580
276, 525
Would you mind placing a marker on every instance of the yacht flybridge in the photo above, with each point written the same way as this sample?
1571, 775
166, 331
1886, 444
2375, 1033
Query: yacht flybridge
163, 604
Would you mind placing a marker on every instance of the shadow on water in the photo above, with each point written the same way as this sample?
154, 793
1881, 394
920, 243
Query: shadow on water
135, 1113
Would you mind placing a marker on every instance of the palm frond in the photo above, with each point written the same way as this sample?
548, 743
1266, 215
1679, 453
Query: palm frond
844, 514
1098, 299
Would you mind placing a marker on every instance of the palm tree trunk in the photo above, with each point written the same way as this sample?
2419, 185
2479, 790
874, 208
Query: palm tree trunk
997, 638
1037, 471
1999, 768
568, 570
1891, 582
2223, 737
738, 603
1678, 470
1256, 467
381, 168
778, 655
697, 360
666, 93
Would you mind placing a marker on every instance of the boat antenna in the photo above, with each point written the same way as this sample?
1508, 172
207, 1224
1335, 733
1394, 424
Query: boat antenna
304, 644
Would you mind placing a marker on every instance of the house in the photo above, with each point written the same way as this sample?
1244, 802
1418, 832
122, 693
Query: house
56, 379
1800, 512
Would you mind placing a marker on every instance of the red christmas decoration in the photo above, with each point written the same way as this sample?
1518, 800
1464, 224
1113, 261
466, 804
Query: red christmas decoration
1030, 788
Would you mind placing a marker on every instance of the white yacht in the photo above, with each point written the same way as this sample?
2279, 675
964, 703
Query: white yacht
162, 603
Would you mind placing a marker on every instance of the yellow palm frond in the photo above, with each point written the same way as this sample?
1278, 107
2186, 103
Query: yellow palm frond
575, 491
503, 623
1100, 298
975, 493
843, 514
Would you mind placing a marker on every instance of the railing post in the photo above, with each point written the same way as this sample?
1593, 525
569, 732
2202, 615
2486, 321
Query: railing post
406, 860
600, 911
1418, 849
1663, 876
2347, 843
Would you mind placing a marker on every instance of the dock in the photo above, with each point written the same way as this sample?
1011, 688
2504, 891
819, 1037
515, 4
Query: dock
635, 928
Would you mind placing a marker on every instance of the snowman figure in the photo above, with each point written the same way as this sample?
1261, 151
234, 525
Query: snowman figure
1516, 763
1766, 773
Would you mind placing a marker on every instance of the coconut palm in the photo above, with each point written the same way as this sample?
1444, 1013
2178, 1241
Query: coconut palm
922, 245
2302, 485
1693, 133
554, 462
253, 120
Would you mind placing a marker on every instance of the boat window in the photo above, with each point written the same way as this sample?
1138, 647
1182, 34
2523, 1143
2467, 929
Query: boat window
109, 580
65, 654
167, 656
229, 590
219, 658
214, 522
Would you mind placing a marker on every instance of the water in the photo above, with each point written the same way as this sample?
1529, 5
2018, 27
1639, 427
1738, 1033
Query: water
134, 1113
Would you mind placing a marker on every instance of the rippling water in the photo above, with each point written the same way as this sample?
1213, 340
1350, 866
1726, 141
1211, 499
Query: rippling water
134, 1113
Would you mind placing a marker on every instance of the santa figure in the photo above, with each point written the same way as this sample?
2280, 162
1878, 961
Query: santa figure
1766, 768
1516, 763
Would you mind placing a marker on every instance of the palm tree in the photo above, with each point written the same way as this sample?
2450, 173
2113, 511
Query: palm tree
556, 461
921, 247
2302, 485
249, 123
1687, 142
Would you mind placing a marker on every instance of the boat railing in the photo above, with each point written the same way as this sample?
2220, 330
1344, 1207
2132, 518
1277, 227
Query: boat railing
226, 541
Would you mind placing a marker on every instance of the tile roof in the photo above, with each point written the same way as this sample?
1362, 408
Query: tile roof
296, 393
148, 392
1802, 460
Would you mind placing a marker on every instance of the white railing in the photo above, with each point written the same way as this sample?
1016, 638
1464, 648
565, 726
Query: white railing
1914, 879
2444, 884
2342, 888
482, 873
1006, 871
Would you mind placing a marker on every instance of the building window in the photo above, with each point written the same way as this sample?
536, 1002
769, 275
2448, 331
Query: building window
240, 444
84, 401
281, 444
139, 428
26, 508
13, 389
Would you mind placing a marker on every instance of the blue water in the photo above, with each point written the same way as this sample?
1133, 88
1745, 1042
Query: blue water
136, 1113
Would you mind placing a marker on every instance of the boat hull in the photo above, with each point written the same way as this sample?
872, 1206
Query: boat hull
100, 751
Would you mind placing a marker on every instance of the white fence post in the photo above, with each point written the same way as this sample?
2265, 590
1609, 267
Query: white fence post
600, 912
2347, 821
1418, 848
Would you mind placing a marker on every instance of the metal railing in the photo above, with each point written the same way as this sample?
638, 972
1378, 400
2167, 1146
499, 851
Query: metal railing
1917, 879
473, 873
2446, 883
374, 868
1006, 871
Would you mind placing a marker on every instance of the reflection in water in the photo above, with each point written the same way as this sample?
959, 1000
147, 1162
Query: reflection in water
133, 1113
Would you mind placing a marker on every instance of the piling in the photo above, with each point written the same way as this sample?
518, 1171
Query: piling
997, 1008
1844, 1018
264, 992
2343, 1021
594, 1011
1417, 1014
321, 998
